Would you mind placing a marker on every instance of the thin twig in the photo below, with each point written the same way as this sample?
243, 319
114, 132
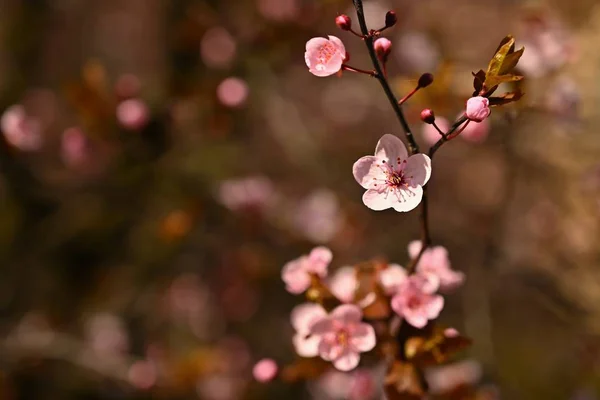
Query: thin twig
369, 38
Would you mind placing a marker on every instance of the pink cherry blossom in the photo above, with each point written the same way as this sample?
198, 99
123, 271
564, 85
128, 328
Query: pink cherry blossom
343, 336
74, 147
391, 177
133, 114
21, 130
343, 284
392, 278
478, 108
383, 47
417, 302
476, 132
303, 317
297, 273
434, 264
265, 370
324, 57
430, 134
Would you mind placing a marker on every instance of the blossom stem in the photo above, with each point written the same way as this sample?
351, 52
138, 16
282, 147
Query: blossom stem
369, 38
352, 31
409, 95
360, 71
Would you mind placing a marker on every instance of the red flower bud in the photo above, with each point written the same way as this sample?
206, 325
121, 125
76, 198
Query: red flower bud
383, 47
343, 22
390, 19
427, 116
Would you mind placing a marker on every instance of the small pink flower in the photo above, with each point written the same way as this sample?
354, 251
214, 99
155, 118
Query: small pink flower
391, 177
132, 114
343, 336
303, 317
218, 48
476, 132
297, 273
430, 134
343, 284
478, 108
21, 130
416, 301
74, 146
253, 192
434, 264
392, 278
265, 370
324, 57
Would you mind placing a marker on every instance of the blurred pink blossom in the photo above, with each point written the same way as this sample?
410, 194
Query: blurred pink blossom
133, 114
278, 10
324, 57
563, 97
478, 108
297, 273
265, 370
142, 374
250, 193
391, 177
106, 335
476, 132
363, 385
392, 278
417, 302
430, 134
21, 130
217, 48
343, 284
74, 147
448, 377
232, 92
417, 51
434, 264
303, 317
318, 216
343, 336
360, 384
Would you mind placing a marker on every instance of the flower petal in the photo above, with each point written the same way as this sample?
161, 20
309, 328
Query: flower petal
407, 199
390, 147
306, 346
343, 284
414, 248
363, 338
339, 45
322, 326
418, 168
415, 318
391, 278
366, 171
295, 276
315, 44
304, 315
347, 313
347, 361
378, 199
329, 348
434, 306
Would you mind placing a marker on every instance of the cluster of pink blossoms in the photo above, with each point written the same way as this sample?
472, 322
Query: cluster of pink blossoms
341, 335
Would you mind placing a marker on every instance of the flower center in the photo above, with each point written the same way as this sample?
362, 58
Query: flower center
342, 337
326, 52
396, 179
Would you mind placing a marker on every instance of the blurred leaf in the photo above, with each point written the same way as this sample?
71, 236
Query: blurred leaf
435, 347
403, 382
504, 61
506, 98
492, 82
376, 304
479, 79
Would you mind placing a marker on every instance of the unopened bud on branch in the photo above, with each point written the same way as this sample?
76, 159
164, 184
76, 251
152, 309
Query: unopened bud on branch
390, 19
343, 22
425, 80
427, 116
383, 47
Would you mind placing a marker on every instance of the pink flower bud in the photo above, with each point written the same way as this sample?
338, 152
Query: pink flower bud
390, 19
425, 80
383, 47
265, 370
133, 114
427, 116
478, 108
343, 22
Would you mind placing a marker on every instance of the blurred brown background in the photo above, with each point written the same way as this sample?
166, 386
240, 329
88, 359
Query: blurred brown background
140, 253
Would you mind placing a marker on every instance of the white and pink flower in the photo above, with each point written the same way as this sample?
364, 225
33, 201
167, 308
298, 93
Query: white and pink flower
343, 336
417, 302
391, 177
324, 57
20, 129
392, 278
478, 108
297, 273
343, 284
303, 317
434, 265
